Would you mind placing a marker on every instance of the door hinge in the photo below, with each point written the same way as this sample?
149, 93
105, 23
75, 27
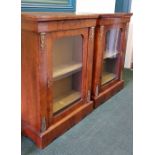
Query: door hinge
88, 96
96, 91
43, 124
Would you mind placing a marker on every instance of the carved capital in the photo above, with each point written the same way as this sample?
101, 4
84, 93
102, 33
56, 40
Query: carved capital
42, 40
92, 29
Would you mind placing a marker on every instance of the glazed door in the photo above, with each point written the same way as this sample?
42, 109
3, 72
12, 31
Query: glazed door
111, 59
67, 54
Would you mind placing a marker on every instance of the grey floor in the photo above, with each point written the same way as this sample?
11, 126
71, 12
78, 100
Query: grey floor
106, 131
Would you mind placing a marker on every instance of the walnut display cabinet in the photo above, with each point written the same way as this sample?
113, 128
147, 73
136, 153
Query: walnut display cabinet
109, 55
70, 64
57, 56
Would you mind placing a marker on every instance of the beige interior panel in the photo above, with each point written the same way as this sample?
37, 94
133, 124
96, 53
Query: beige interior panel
62, 86
67, 49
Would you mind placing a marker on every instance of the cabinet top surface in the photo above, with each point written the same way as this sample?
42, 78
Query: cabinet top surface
50, 16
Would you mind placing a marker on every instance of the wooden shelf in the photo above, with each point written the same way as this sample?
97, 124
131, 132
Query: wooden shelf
65, 99
107, 77
65, 70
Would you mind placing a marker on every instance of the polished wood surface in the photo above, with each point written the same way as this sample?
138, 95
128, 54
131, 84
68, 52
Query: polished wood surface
30, 81
50, 16
42, 120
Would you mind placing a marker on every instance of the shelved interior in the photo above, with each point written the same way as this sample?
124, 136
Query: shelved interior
109, 70
66, 91
67, 56
110, 57
67, 71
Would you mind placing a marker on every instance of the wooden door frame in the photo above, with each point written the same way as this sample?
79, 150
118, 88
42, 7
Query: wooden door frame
100, 46
51, 37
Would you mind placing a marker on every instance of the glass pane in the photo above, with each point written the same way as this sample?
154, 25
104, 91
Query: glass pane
110, 57
67, 71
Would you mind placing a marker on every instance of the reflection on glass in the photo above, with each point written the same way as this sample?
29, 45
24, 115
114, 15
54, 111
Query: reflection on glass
110, 58
67, 71
112, 40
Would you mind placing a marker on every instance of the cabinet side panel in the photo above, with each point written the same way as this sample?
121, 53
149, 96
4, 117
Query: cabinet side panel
30, 84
